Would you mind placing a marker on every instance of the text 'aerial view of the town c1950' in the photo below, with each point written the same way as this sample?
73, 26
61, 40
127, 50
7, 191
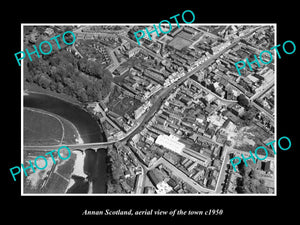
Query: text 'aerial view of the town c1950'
162, 116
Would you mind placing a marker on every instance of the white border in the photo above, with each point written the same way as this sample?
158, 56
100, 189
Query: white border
22, 109
156, 195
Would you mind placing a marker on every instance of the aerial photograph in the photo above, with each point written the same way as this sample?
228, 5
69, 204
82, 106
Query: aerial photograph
148, 113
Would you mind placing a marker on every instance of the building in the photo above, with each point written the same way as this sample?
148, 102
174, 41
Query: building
190, 30
265, 166
253, 79
170, 142
200, 118
198, 175
139, 112
133, 51
126, 43
163, 188
196, 157
49, 31
230, 116
237, 110
154, 180
121, 70
191, 167
216, 120
210, 97
103, 106
149, 190
269, 76
171, 157
229, 126
220, 47
95, 107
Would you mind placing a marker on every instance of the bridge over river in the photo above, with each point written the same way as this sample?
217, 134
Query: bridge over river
94, 146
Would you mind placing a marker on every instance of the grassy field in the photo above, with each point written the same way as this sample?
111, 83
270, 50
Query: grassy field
70, 133
56, 184
179, 43
252, 134
41, 128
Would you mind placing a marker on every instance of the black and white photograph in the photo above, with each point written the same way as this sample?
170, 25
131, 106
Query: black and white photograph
173, 112
168, 114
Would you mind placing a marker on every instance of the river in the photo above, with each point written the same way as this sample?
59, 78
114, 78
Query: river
89, 130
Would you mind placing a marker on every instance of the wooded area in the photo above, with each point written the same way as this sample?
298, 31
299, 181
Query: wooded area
62, 72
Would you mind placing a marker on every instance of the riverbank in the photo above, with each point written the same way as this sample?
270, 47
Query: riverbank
78, 138
88, 167
77, 171
34, 88
70, 134
42, 128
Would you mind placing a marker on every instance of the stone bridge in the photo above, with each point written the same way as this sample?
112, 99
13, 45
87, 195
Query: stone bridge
82, 147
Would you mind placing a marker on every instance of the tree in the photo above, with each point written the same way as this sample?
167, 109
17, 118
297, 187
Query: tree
53, 86
61, 72
81, 95
261, 188
92, 92
28, 77
249, 183
243, 101
54, 60
249, 115
28, 29
211, 87
243, 169
44, 82
240, 185
60, 87
68, 82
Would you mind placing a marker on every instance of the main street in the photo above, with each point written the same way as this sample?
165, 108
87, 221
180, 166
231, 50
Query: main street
158, 99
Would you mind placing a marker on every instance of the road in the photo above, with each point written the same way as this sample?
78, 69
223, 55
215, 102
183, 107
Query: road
264, 111
261, 90
222, 173
140, 183
226, 101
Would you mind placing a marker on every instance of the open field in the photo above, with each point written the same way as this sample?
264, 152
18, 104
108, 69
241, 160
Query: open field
41, 128
179, 43
251, 137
